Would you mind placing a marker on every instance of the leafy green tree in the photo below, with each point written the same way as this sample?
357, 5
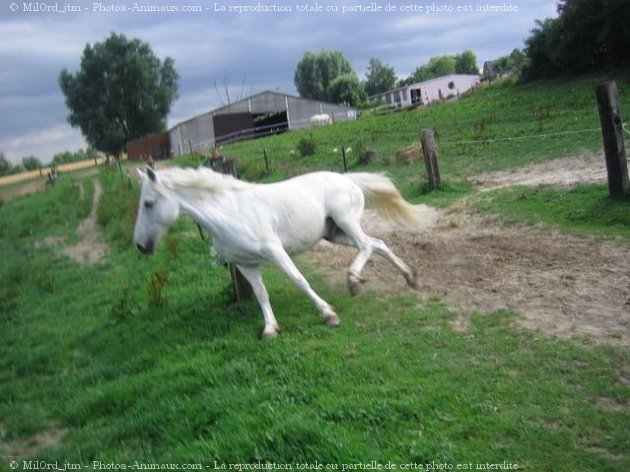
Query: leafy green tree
31, 163
587, 36
63, 158
544, 50
466, 63
121, 92
436, 67
346, 89
510, 64
379, 77
5, 165
315, 72
17, 168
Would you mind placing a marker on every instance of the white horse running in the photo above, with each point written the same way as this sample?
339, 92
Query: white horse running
253, 224
321, 120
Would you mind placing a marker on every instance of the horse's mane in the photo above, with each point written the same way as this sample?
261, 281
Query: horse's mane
202, 179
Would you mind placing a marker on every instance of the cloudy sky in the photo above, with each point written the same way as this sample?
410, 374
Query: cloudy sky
250, 51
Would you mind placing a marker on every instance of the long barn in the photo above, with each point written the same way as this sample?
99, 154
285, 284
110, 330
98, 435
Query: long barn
258, 115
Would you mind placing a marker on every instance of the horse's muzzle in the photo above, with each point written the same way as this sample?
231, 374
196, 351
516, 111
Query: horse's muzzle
148, 249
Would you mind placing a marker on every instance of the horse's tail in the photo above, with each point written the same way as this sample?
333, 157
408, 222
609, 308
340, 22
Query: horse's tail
382, 195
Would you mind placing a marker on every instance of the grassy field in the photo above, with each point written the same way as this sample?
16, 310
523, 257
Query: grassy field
145, 360
498, 127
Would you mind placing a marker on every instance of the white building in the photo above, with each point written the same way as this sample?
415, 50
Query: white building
424, 93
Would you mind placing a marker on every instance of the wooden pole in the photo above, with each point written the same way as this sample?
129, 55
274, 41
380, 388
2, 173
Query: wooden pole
612, 134
266, 161
242, 289
430, 158
343, 154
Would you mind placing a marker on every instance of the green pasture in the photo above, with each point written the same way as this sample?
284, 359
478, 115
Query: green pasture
145, 359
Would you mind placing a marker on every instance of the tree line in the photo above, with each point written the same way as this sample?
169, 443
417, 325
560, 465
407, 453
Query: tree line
587, 36
329, 76
29, 163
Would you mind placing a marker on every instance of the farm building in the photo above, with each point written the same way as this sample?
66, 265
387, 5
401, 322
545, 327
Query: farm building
424, 93
261, 114
156, 145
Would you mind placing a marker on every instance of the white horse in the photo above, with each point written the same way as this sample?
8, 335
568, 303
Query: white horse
321, 120
253, 224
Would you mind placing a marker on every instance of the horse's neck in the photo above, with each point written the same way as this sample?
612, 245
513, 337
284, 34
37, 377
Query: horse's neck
205, 210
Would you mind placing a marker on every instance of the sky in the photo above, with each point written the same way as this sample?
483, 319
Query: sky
247, 46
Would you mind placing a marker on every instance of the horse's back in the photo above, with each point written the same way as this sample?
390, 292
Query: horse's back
298, 210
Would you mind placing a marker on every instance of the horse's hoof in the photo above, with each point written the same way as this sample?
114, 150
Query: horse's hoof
412, 280
332, 320
354, 284
270, 333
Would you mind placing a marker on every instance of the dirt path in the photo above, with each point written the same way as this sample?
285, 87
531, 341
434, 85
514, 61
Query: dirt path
90, 249
560, 285
588, 167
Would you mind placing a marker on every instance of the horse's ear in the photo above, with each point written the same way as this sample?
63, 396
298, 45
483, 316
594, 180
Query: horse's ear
141, 174
151, 174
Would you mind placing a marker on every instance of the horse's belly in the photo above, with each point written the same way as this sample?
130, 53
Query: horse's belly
302, 235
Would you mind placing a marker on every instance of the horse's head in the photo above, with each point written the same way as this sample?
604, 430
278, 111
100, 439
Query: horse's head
158, 210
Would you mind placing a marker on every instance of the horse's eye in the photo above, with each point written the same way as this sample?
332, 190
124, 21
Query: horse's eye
148, 204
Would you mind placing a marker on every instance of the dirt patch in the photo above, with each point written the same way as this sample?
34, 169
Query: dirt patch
90, 249
588, 167
30, 447
560, 285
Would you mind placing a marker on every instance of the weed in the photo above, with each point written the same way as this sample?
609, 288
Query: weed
172, 244
124, 305
156, 289
307, 146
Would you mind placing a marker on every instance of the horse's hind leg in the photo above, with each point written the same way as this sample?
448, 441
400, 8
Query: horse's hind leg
284, 262
351, 234
253, 276
410, 275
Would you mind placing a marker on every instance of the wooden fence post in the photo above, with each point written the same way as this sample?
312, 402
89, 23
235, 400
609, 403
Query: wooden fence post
242, 289
612, 134
266, 161
430, 158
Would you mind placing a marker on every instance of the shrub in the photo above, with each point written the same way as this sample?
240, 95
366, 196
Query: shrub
307, 146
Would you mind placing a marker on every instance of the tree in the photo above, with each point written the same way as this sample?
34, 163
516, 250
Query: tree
5, 165
380, 77
315, 72
436, 67
121, 92
587, 36
544, 51
31, 163
346, 89
466, 63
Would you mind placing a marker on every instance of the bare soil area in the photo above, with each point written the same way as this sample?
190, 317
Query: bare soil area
90, 249
588, 167
559, 285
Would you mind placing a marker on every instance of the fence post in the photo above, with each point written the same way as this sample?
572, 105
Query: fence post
242, 289
430, 158
266, 161
612, 134
343, 154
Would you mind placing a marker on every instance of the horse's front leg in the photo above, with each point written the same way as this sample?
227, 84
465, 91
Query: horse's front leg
254, 277
279, 256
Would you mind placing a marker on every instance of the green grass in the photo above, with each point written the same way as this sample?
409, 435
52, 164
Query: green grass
146, 359
585, 209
